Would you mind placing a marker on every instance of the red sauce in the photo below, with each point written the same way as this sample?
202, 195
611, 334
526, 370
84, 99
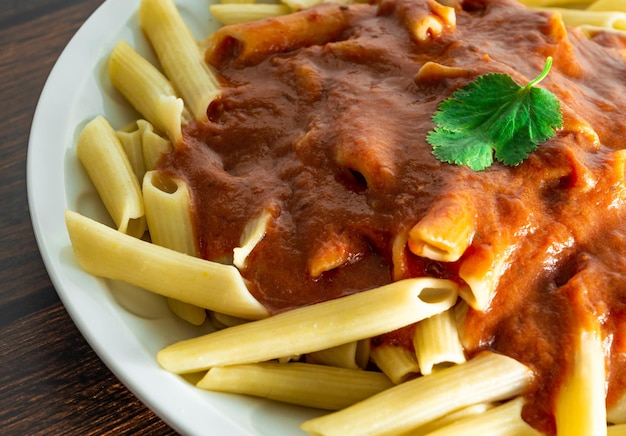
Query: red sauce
331, 140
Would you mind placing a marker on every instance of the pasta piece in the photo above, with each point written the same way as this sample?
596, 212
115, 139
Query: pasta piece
434, 72
461, 414
504, 420
482, 271
398, 363
179, 55
341, 356
168, 213
305, 384
133, 147
425, 24
252, 235
313, 328
154, 145
221, 320
335, 250
399, 256
234, 13
485, 378
104, 252
367, 150
147, 90
103, 157
580, 406
436, 341
446, 231
249, 43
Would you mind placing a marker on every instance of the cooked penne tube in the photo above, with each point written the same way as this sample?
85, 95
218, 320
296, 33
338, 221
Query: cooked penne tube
485, 378
252, 235
305, 384
436, 341
482, 271
104, 252
425, 24
580, 405
179, 55
398, 363
130, 138
313, 328
233, 13
341, 356
248, 43
446, 231
503, 420
458, 415
154, 145
147, 90
103, 157
168, 213
221, 320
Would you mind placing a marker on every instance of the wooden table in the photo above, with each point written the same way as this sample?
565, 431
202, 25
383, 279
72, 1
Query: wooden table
51, 382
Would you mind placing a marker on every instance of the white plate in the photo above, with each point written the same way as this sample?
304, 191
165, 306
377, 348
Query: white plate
124, 325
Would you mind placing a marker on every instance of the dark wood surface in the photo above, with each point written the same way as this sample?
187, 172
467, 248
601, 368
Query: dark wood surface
51, 381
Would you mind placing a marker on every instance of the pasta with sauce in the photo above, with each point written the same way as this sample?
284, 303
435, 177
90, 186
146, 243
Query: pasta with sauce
294, 165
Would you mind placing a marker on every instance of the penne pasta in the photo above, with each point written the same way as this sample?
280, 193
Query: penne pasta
248, 43
313, 328
482, 271
398, 363
503, 420
341, 356
450, 418
154, 146
252, 235
436, 341
179, 55
305, 384
147, 90
168, 213
580, 405
103, 157
446, 231
414, 403
133, 147
104, 252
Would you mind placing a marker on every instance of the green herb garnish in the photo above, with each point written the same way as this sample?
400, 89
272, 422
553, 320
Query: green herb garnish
494, 113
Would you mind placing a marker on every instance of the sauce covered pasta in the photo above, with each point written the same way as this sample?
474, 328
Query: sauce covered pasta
306, 211
328, 135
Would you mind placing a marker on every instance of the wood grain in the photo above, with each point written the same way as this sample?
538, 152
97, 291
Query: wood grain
51, 381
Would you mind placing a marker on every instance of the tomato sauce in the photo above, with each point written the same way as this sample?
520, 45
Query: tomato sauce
331, 140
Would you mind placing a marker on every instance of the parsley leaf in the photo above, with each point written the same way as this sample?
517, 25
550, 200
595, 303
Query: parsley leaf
494, 113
